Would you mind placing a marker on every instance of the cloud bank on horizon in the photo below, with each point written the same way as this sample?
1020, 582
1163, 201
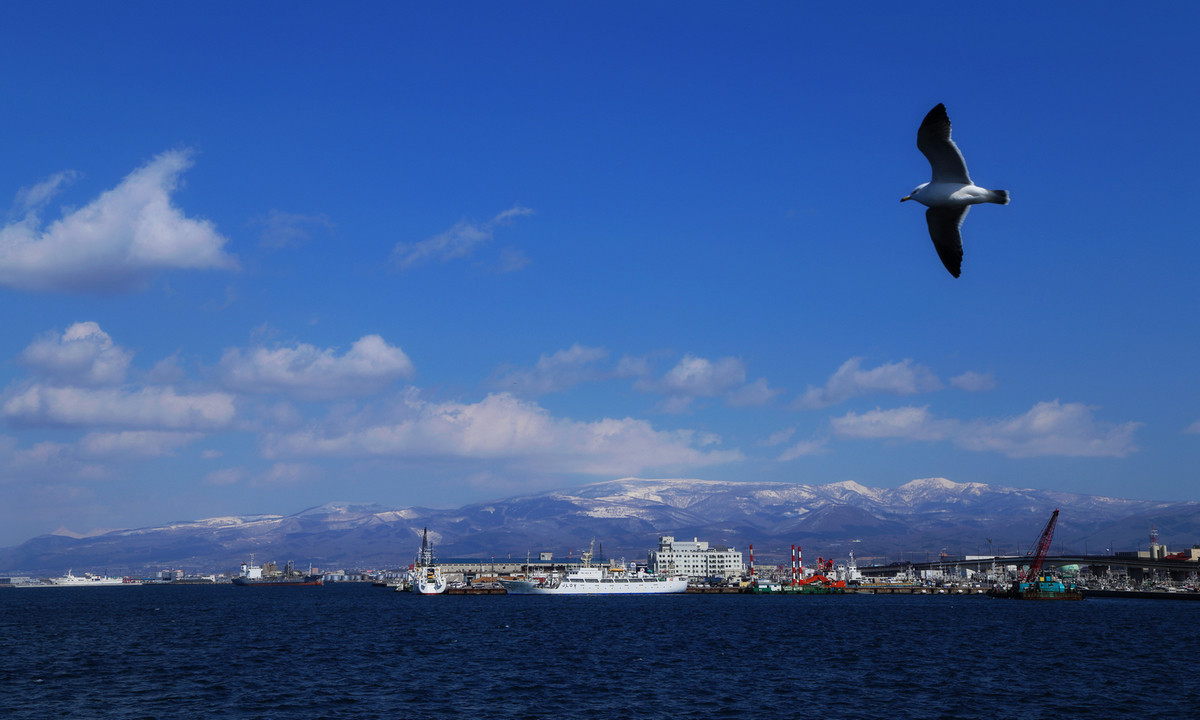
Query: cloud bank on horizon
355, 405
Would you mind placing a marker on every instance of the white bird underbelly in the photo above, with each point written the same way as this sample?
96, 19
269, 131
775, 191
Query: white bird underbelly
955, 195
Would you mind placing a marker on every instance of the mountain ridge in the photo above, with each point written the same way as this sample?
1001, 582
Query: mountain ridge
920, 518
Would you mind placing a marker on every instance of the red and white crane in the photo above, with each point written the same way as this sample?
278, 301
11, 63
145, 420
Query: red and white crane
1043, 547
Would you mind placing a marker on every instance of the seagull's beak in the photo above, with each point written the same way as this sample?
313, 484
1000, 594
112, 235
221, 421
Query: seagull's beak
906, 197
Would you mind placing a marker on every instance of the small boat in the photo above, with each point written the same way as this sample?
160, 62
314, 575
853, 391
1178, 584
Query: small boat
591, 580
425, 577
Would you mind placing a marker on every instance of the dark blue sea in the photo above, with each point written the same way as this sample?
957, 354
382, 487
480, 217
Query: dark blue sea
354, 651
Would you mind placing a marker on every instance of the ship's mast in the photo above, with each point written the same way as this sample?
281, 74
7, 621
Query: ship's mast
426, 556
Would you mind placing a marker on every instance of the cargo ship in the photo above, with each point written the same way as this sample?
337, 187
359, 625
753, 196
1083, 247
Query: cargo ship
253, 576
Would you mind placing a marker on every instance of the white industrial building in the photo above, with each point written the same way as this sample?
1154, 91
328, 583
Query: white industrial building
694, 559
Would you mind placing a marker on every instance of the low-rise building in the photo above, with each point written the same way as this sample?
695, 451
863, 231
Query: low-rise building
695, 559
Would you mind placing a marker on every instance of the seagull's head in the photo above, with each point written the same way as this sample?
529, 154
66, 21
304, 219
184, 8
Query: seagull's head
913, 195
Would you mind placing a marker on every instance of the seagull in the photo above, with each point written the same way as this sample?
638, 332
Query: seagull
950, 193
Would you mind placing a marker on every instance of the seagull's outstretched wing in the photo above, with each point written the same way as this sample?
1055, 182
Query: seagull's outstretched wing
933, 140
943, 229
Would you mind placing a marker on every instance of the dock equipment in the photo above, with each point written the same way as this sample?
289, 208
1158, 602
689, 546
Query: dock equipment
1043, 547
1033, 585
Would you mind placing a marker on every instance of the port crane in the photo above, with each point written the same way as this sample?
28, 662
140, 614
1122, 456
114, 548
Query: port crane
1043, 547
1032, 584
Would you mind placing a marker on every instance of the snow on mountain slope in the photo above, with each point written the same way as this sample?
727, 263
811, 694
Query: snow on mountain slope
626, 516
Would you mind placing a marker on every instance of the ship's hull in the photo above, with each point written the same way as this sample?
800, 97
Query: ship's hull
1041, 590
70, 580
429, 581
309, 580
633, 586
429, 588
1069, 594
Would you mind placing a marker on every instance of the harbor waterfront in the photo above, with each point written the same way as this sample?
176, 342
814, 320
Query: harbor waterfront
589, 579
348, 651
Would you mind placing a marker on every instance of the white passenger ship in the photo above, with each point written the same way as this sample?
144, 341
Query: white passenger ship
590, 580
90, 580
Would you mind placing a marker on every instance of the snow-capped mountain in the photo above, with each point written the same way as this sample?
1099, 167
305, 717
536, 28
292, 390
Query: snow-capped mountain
916, 520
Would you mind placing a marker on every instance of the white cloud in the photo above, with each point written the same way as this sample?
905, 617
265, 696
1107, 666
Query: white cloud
460, 241
115, 243
33, 199
144, 443
95, 457
906, 423
699, 377
309, 372
850, 380
225, 476
813, 446
1193, 429
1048, 429
696, 377
149, 408
974, 382
282, 473
511, 260
554, 373
633, 367
283, 229
166, 371
52, 463
515, 211
676, 404
1052, 428
504, 430
777, 438
755, 394
804, 448
82, 355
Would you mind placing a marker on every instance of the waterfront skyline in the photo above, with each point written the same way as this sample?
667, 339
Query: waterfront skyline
258, 259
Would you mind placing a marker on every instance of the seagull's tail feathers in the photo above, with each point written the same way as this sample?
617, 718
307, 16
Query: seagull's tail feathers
1000, 197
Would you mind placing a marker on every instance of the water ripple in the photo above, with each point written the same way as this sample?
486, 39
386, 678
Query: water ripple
358, 652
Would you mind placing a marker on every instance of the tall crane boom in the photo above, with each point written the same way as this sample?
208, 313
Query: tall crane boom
1043, 547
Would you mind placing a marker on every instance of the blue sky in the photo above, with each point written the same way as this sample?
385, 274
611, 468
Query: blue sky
261, 257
